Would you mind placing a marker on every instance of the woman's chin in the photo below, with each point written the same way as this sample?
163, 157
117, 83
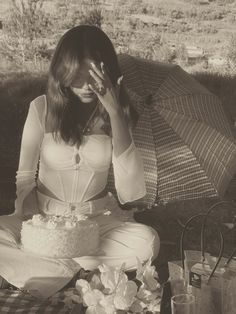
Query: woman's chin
87, 99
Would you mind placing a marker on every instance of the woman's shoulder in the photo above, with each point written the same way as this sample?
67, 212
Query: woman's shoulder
39, 107
40, 104
39, 101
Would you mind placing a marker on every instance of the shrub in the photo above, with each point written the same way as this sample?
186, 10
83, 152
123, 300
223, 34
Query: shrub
71, 13
231, 54
23, 32
181, 53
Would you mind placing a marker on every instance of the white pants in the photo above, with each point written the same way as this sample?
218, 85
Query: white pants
120, 242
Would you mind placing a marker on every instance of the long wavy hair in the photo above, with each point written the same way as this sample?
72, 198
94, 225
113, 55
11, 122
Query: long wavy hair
65, 112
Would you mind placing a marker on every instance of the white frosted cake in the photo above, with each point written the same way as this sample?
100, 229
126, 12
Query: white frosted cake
60, 237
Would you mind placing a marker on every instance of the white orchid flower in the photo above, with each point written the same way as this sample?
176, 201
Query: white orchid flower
98, 309
108, 304
82, 286
147, 275
98, 303
92, 297
138, 306
124, 295
110, 291
116, 283
146, 295
110, 276
96, 283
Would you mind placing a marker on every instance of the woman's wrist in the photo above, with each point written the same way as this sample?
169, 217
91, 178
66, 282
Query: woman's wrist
116, 113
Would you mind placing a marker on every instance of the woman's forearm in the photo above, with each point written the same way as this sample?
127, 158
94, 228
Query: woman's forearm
120, 132
29, 155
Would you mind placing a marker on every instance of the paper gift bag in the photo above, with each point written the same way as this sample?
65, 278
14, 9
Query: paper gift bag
204, 281
208, 291
225, 272
219, 295
229, 293
229, 287
191, 257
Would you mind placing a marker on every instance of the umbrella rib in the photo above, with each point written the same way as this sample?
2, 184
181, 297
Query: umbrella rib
162, 105
204, 163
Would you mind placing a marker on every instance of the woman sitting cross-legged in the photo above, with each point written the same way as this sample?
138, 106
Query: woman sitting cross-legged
71, 136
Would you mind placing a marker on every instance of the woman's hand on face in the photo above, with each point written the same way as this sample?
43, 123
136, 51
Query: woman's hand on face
105, 91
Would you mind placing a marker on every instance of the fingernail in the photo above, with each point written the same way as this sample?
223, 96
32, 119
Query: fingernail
120, 79
92, 64
102, 67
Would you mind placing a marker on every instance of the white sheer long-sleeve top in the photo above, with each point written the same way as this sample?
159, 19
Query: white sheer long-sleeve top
74, 174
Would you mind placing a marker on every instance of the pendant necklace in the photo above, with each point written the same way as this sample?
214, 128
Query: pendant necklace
86, 127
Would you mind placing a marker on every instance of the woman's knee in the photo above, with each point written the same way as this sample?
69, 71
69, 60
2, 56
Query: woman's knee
151, 246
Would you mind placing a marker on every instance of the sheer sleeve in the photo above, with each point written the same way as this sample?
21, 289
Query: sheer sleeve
129, 175
29, 156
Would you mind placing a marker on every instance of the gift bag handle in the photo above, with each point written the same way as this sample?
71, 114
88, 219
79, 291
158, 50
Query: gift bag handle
204, 226
182, 241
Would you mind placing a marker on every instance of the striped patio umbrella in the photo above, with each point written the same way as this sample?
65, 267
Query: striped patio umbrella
183, 133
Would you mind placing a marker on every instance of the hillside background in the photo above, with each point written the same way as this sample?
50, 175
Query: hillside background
197, 34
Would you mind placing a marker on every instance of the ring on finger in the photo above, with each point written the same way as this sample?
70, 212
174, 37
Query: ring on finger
102, 90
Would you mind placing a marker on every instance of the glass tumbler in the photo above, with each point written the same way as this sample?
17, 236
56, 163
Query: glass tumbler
183, 304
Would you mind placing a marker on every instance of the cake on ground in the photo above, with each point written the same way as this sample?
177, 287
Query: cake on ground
60, 237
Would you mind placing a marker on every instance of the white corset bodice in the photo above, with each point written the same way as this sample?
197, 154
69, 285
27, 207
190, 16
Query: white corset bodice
80, 173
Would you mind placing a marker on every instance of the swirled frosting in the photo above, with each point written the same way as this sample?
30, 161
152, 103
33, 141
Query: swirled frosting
59, 236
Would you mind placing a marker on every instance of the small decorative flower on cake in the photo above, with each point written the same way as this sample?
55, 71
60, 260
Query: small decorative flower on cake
109, 291
38, 220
